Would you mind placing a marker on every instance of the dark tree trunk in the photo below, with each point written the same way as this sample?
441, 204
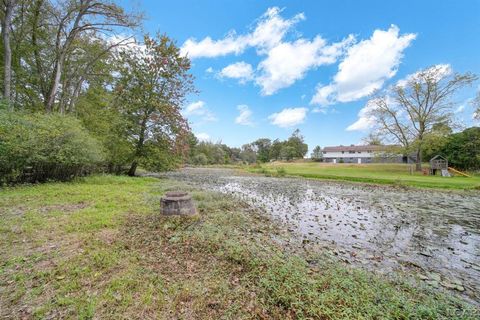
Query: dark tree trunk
418, 164
7, 52
133, 168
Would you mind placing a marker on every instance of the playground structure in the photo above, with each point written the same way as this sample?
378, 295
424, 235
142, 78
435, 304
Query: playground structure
441, 163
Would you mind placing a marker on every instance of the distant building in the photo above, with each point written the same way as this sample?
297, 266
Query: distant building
363, 154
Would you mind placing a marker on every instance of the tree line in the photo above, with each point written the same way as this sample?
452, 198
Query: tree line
260, 150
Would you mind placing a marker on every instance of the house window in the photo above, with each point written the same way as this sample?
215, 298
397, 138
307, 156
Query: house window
343, 152
351, 151
324, 152
359, 152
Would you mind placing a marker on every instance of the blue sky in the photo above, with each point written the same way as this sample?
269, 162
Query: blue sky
265, 68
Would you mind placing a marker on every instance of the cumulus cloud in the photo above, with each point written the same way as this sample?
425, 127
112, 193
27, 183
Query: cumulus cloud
199, 109
288, 62
244, 118
241, 71
284, 62
288, 117
270, 30
366, 67
365, 119
202, 136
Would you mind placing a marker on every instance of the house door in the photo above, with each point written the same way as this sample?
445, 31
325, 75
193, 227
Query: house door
359, 160
334, 160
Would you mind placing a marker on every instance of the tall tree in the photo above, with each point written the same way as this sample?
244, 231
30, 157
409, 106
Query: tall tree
7, 13
296, 141
82, 17
317, 154
150, 90
408, 112
262, 147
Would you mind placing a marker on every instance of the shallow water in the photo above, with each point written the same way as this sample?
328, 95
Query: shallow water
434, 233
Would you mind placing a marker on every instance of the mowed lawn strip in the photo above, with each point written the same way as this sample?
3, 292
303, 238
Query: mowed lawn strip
396, 174
96, 248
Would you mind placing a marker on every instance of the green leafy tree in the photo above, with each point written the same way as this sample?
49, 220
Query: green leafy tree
275, 149
463, 149
262, 147
296, 141
288, 152
149, 93
317, 154
248, 153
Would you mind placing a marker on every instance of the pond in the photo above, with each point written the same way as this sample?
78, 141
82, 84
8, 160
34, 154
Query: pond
381, 228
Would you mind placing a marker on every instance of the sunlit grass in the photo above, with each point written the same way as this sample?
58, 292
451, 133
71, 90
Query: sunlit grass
397, 174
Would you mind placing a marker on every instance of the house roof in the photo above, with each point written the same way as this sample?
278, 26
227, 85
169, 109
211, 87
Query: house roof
374, 148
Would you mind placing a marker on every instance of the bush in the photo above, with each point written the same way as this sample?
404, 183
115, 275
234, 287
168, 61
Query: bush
281, 172
39, 147
463, 149
200, 159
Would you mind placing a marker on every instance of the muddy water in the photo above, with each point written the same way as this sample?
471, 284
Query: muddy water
435, 234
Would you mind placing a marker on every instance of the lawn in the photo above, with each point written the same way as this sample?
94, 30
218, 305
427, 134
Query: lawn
398, 174
97, 248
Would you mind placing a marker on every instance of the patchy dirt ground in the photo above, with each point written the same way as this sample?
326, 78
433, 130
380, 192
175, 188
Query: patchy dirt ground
435, 234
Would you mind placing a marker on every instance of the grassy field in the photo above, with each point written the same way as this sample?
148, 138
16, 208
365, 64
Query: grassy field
96, 248
398, 174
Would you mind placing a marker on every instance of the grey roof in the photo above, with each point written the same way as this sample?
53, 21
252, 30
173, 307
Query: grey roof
373, 148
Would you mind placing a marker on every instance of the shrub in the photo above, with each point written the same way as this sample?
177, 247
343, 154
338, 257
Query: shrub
39, 147
281, 172
200, 159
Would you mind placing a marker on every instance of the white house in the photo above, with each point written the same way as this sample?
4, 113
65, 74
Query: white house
362, 154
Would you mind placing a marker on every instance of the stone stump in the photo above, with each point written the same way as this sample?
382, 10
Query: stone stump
177, 203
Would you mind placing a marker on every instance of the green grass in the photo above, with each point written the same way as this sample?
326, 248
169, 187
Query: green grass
96, 248
395, 174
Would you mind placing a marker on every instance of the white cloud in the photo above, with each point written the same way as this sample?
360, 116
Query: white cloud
209, 70
270, 30
366, 66
320, 110
285, 62
288, 62
202, 136
239, 70
199, 109
209, 48
288, 117
244, 118
365, 120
